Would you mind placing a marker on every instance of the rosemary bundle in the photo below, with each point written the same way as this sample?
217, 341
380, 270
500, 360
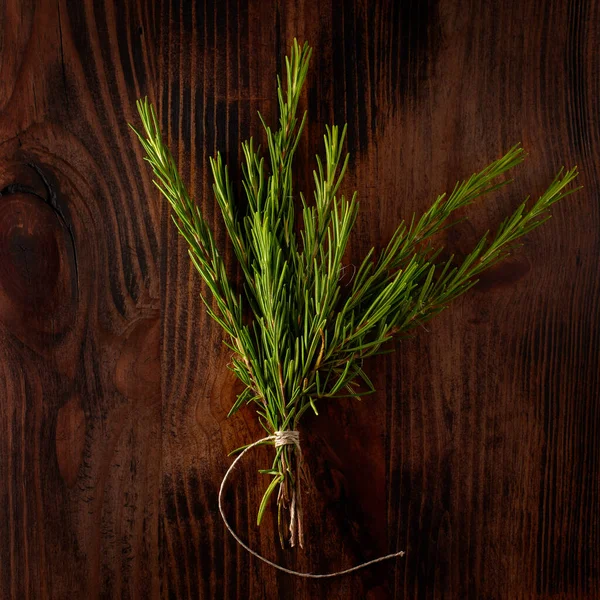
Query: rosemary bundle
297, 332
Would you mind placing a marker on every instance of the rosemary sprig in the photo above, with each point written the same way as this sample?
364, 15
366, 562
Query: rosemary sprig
297, 333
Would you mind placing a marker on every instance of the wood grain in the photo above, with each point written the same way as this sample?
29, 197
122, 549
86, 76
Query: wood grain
479, 454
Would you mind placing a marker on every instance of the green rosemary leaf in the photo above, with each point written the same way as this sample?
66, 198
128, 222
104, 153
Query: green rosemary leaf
270, 489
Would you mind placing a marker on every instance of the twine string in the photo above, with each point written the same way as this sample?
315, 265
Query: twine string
284, 438
287, 437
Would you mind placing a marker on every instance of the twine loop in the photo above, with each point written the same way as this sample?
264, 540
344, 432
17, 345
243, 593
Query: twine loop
285, 438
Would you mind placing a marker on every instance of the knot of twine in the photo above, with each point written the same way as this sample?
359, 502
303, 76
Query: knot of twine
288, 437
285, 438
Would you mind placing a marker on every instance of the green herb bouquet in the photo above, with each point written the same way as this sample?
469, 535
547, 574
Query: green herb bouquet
298, 334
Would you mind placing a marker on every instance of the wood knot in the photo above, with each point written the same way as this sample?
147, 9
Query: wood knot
38, 283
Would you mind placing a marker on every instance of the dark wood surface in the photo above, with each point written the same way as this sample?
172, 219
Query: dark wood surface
480, 453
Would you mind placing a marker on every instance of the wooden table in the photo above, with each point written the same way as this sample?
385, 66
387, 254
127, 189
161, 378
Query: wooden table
480, 453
